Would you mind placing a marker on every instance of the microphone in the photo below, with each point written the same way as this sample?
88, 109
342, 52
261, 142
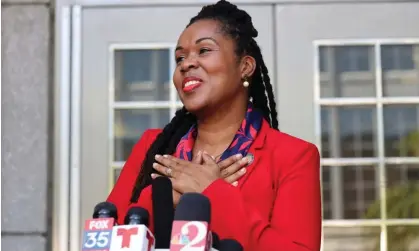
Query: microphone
190, 230
105, 210
136, 216
163, 210
230, 245
134, 235
97, 232
215, 240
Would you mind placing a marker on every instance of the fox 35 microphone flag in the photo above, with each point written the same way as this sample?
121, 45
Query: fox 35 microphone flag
97, 234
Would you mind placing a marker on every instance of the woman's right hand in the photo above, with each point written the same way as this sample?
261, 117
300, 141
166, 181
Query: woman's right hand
176, 195
232, 169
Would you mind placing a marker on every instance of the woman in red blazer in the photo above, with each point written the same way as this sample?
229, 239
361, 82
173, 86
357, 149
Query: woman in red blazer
263, 185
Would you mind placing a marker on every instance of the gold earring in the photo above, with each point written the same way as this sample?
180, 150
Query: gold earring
246, 83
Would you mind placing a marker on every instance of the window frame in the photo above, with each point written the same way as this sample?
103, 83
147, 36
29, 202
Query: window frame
381, 161
172, 104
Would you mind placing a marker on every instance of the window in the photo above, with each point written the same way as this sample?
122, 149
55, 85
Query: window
142, 96
400, 65
348, 71
142, 75
353, 58
398, 57
367, 96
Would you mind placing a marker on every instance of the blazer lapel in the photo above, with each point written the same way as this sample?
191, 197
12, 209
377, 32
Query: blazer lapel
255, 152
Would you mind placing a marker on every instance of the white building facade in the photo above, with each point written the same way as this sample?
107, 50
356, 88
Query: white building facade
345, 74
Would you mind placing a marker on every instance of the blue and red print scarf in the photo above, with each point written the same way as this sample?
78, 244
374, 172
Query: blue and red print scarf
241, 142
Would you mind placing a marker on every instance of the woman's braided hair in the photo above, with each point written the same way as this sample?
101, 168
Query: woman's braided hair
237, 24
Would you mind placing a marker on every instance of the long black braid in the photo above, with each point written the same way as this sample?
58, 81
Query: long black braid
238, 25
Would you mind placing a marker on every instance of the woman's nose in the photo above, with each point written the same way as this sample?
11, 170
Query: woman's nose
189, 63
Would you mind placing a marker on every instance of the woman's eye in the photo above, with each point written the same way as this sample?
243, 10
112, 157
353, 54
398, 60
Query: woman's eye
179, 59
203, 50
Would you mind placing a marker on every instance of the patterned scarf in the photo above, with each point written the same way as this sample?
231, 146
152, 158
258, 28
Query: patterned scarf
241, 141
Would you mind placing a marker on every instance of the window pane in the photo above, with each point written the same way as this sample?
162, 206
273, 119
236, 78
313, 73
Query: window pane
403, 238
351, 239
403, 191
349, 191
400, 65
326, 194
323, 54
116, 173
347, 71
142, 75
130, 125
349, 131
401, 127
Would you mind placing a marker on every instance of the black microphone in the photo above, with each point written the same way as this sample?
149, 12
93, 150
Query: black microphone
137, 216
193, 207
105, 210
163, 210
192, 212
230, 245
215, 240
134, 234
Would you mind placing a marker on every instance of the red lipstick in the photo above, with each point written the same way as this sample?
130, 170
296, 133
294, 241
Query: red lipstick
191, 83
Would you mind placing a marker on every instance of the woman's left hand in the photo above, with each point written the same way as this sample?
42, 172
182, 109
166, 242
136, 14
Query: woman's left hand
188, 176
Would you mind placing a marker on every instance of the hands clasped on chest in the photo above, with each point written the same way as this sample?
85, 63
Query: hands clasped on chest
198, 174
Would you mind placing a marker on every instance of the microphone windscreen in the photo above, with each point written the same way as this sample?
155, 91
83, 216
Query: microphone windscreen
163, 210
193, 207
230, 245
105, 209
138, 215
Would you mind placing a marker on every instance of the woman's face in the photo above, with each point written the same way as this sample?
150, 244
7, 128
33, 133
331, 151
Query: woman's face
208, 73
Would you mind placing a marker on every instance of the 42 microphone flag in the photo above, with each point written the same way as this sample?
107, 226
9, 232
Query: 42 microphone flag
97, 234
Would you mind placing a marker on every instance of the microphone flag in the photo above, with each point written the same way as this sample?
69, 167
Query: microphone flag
132, 238
190, 236
97, 234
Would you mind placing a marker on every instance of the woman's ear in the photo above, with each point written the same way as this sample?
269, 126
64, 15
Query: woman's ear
247, 66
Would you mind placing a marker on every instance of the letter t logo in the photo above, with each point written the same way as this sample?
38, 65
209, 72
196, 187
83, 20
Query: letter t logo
126, 235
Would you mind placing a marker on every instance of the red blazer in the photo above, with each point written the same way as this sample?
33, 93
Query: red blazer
276, 205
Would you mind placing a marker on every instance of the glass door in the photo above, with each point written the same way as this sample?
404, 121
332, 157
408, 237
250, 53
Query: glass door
141, 96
